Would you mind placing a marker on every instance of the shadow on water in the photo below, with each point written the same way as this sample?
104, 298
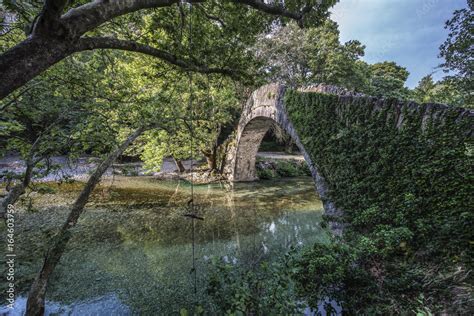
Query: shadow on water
131, 251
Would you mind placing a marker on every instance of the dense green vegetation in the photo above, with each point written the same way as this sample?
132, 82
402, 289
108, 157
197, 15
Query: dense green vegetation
264, 288
408, 211
457, 52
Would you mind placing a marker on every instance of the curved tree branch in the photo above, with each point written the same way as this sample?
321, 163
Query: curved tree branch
90, 15
91, 43
93, 14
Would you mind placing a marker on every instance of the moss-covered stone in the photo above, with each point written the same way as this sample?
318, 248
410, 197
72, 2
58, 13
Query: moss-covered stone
402, 173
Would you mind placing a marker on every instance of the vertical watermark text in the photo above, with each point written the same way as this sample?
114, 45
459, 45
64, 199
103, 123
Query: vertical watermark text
10, 256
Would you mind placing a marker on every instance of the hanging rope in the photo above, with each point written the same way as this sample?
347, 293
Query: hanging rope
191, 207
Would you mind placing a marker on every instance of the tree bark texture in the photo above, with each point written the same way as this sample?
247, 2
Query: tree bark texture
179, 165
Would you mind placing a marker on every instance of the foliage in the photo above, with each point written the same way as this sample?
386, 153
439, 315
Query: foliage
236, 289
456, 88
426, 90
388, 80
266, 173
408, 211
296, 56
443, 91
282, 169
328, 271
457, 51
48, 118
201, 127
291, 168
208, 35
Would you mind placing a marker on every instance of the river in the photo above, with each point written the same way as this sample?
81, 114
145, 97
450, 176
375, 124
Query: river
131, 251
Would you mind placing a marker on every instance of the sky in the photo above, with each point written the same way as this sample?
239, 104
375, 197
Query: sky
408, 32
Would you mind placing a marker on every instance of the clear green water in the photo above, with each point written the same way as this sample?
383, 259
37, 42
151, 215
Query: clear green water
134, 243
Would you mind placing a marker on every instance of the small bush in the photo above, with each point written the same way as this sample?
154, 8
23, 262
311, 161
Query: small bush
263, 289
45, 189
266, 174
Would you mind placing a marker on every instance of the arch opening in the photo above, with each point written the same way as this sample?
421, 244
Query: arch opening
250, 143
247, 148
264, 108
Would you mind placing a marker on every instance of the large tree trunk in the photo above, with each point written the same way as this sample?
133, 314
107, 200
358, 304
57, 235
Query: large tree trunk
28, 59
211, 158
36, 296
179, 165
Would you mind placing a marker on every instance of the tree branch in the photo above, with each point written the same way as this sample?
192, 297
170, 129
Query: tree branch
90, 15
48, 20
272, 9
93, 14
90, 43
211, 17
53, 39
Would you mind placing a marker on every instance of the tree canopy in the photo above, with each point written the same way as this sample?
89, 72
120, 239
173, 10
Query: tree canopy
60, 29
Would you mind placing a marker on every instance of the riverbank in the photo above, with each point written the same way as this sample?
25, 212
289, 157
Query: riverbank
269, 165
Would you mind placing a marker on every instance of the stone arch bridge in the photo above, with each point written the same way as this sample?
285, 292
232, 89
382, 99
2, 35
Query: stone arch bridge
266, 107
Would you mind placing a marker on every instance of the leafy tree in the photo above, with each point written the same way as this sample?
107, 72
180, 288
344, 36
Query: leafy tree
299, 57
458, 53
456, 88
388, 80
45, 120
442, 91
426, 89
209, 119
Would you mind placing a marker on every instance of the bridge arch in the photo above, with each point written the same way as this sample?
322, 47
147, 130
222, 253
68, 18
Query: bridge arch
263, 108
246, 151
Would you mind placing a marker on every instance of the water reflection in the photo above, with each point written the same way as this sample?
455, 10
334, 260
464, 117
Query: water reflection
134, 243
